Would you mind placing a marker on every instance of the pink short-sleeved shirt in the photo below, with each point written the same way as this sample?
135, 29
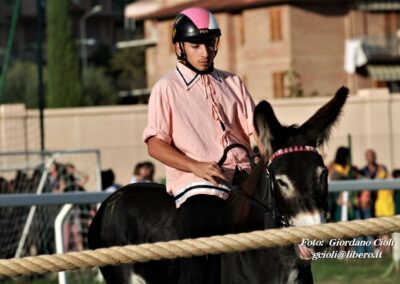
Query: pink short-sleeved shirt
201, 114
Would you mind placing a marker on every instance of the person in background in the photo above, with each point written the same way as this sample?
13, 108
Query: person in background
136, 173
396, 175
363, 210
143, 172
383, 204
80, 177
108, 181
147, 172
340, 169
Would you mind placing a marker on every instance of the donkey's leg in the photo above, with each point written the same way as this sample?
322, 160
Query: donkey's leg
304, 274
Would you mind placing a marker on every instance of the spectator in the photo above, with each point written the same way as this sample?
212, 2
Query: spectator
396, 175
80, 177
143, 172
340, 169
108, 181
136, 173
4, 185
147, 172
384, 202
363, 210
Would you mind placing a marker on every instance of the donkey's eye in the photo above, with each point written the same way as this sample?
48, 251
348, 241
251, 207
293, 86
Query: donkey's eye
282, 184
285, 186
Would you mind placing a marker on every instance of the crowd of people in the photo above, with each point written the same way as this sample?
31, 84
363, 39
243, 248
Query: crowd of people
142, 172
362, 204
61, 177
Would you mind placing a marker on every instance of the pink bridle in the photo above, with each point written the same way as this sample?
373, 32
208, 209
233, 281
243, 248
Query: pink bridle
294, 149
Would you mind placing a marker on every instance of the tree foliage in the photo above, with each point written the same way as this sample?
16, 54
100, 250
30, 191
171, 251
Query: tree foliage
22, 84
98, 88
64, 86
129, 64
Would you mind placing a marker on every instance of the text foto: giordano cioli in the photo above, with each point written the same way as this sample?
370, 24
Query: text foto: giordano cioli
352, 242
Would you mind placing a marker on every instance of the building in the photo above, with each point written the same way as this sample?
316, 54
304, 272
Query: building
289, 48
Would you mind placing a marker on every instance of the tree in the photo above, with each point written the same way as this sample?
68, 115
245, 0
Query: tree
64, 86
22, 84
98, 88
129, 63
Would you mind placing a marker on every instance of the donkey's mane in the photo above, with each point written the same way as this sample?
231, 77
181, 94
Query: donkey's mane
241, 206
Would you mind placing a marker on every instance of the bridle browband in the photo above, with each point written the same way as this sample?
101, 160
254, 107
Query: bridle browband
294, 149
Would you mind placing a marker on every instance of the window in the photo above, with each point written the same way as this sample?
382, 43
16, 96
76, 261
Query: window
391, 23
275, 19
279, 90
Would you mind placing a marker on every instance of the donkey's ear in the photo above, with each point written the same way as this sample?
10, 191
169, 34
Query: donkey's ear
266, 125
318, 127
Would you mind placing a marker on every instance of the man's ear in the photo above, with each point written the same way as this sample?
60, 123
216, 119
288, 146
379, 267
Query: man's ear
177, 49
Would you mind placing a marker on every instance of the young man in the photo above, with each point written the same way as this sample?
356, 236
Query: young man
195, 112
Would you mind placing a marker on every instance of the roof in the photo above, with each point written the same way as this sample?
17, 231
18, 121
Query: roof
140, 7
227, 6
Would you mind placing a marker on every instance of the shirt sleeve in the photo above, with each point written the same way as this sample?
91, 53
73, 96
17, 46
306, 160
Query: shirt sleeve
248, 106
159, 115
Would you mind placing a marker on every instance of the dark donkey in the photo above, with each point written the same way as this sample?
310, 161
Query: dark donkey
295, 194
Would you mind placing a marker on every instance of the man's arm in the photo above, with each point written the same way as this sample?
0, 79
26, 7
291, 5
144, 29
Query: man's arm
171, 157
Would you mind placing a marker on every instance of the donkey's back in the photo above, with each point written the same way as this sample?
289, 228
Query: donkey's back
136, 213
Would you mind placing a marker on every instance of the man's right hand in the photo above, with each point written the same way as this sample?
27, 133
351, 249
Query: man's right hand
170, 156
210, 171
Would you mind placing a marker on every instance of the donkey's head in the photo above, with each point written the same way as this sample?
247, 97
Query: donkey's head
299, 175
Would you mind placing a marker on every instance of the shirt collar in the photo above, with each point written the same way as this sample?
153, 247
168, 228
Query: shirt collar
190, 77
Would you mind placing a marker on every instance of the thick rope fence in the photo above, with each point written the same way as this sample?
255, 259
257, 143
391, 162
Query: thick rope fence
196, 247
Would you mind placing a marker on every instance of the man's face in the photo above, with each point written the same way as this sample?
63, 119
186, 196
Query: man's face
370, 156
200, 55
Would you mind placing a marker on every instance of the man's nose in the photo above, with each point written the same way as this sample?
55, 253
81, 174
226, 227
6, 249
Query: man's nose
204, 50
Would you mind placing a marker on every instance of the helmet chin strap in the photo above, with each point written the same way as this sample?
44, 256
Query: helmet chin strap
183, 58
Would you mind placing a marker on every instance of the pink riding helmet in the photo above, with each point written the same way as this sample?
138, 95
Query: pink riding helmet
195, 25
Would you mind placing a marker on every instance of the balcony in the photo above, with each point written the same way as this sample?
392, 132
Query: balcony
381, 49
378, 5
376, 57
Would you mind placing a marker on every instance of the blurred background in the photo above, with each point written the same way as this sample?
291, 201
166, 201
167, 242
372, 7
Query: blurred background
76, 77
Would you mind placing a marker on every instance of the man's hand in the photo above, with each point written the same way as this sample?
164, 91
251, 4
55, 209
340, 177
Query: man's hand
210, 171
170, 156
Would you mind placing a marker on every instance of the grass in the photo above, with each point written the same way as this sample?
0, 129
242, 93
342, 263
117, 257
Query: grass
325, 271
365, 271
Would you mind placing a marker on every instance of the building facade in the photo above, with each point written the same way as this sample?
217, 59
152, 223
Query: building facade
291, 48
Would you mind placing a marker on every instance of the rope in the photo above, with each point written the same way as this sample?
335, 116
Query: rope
196, 247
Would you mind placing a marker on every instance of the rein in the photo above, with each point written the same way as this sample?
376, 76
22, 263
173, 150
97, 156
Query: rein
267, 204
